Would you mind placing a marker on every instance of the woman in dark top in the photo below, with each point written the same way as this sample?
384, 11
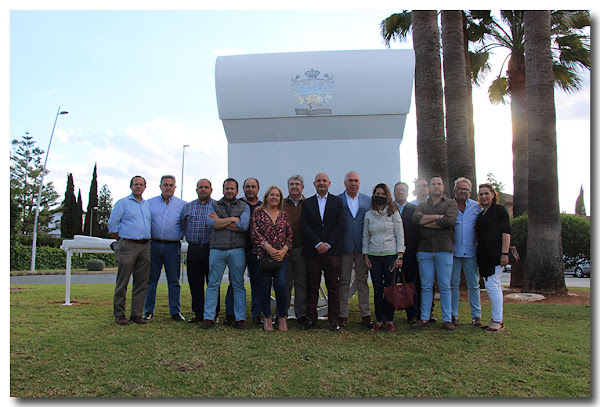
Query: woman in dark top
493, 241
271, 232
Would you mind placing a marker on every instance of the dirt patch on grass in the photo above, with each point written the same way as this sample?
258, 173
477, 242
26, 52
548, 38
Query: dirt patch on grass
73, 302
573, 298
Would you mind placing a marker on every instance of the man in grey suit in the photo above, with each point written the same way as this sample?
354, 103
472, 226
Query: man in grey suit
355, 205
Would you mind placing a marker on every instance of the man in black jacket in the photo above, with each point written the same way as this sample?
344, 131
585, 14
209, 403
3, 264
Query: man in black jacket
322, 223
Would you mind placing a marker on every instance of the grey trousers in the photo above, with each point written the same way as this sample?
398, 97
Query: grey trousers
132, 259
297, 279
354, 261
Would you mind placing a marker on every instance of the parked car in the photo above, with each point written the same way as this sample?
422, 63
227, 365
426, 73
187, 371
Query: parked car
581, 270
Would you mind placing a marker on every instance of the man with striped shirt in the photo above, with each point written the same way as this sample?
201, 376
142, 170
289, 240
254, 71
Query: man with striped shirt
194, 224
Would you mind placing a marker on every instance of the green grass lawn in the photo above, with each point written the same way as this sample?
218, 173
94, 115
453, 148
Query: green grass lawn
79, 351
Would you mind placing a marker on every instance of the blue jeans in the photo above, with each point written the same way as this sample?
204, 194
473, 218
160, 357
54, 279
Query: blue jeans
235, 260
381, 276
168, 254
253, 273
278, 280
429, 264
469, 265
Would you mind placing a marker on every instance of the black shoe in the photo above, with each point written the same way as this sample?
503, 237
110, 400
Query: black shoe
195, 319
257, 320
229, 320
308, 325
177, 317
148, 316
432, 320
301, 321
334, 327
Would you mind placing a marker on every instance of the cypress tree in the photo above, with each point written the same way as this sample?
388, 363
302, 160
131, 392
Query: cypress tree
92, 203
79, 218
579, 205
69, 210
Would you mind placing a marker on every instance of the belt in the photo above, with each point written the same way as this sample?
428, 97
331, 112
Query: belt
166, 241
200, 244
141, 241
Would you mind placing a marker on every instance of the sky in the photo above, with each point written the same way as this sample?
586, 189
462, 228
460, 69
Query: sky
139, 85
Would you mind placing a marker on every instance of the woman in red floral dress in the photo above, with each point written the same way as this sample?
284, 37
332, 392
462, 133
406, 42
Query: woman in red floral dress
271, 232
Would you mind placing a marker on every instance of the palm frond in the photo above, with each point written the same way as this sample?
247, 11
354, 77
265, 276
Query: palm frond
480, 66
396, 27
566, 78
498, 91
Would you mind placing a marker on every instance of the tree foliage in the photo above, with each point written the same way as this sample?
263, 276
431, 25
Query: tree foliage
25, 176
104, 208
575, 237
91, 215
69, 210
579, 204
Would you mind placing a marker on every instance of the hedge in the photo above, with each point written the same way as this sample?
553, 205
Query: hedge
575, 237
49, 258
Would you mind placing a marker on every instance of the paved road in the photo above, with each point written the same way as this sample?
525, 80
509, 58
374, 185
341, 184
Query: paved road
570, 280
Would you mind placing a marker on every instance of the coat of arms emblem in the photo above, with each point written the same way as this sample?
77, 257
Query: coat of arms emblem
313, 91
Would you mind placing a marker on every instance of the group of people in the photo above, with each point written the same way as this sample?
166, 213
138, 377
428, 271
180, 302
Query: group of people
292, 242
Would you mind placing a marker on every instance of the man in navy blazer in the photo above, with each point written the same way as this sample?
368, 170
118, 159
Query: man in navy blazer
356, 205
322, 223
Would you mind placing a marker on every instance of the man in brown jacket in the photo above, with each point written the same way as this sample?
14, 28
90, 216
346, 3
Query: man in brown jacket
296, 269
435, 217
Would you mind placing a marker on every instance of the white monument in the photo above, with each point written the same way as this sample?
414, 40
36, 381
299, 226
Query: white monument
310, 112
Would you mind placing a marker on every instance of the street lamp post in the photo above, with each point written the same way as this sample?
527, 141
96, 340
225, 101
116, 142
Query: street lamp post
92, 218
39, 196
182, 163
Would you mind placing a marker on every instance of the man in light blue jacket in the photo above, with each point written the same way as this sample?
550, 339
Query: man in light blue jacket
355, 206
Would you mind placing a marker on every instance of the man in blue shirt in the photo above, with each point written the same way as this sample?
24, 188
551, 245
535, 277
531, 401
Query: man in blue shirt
165, 247
465, 249
130, 222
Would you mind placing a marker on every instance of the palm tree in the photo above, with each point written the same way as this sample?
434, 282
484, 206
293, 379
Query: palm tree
458, 143
429, 98
399, 26
544, 248
571, 52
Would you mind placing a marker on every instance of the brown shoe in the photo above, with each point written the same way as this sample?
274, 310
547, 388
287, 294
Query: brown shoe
476, 321
367, 322
448, 326
495, 327
121, 320
268, 324
342, 322
420, 324
377, 327
207, 324
138, 320
390, 327
241, 324
282, 323
455, 321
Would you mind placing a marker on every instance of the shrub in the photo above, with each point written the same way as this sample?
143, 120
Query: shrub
48, 258
95, 265
575, 238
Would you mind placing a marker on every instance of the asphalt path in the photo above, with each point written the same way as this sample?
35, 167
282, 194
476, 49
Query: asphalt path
570, 280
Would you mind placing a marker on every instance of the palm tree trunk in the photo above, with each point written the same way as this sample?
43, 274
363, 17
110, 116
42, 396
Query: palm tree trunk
544, 248
518, 107
431, 144
460, 163
470, 121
